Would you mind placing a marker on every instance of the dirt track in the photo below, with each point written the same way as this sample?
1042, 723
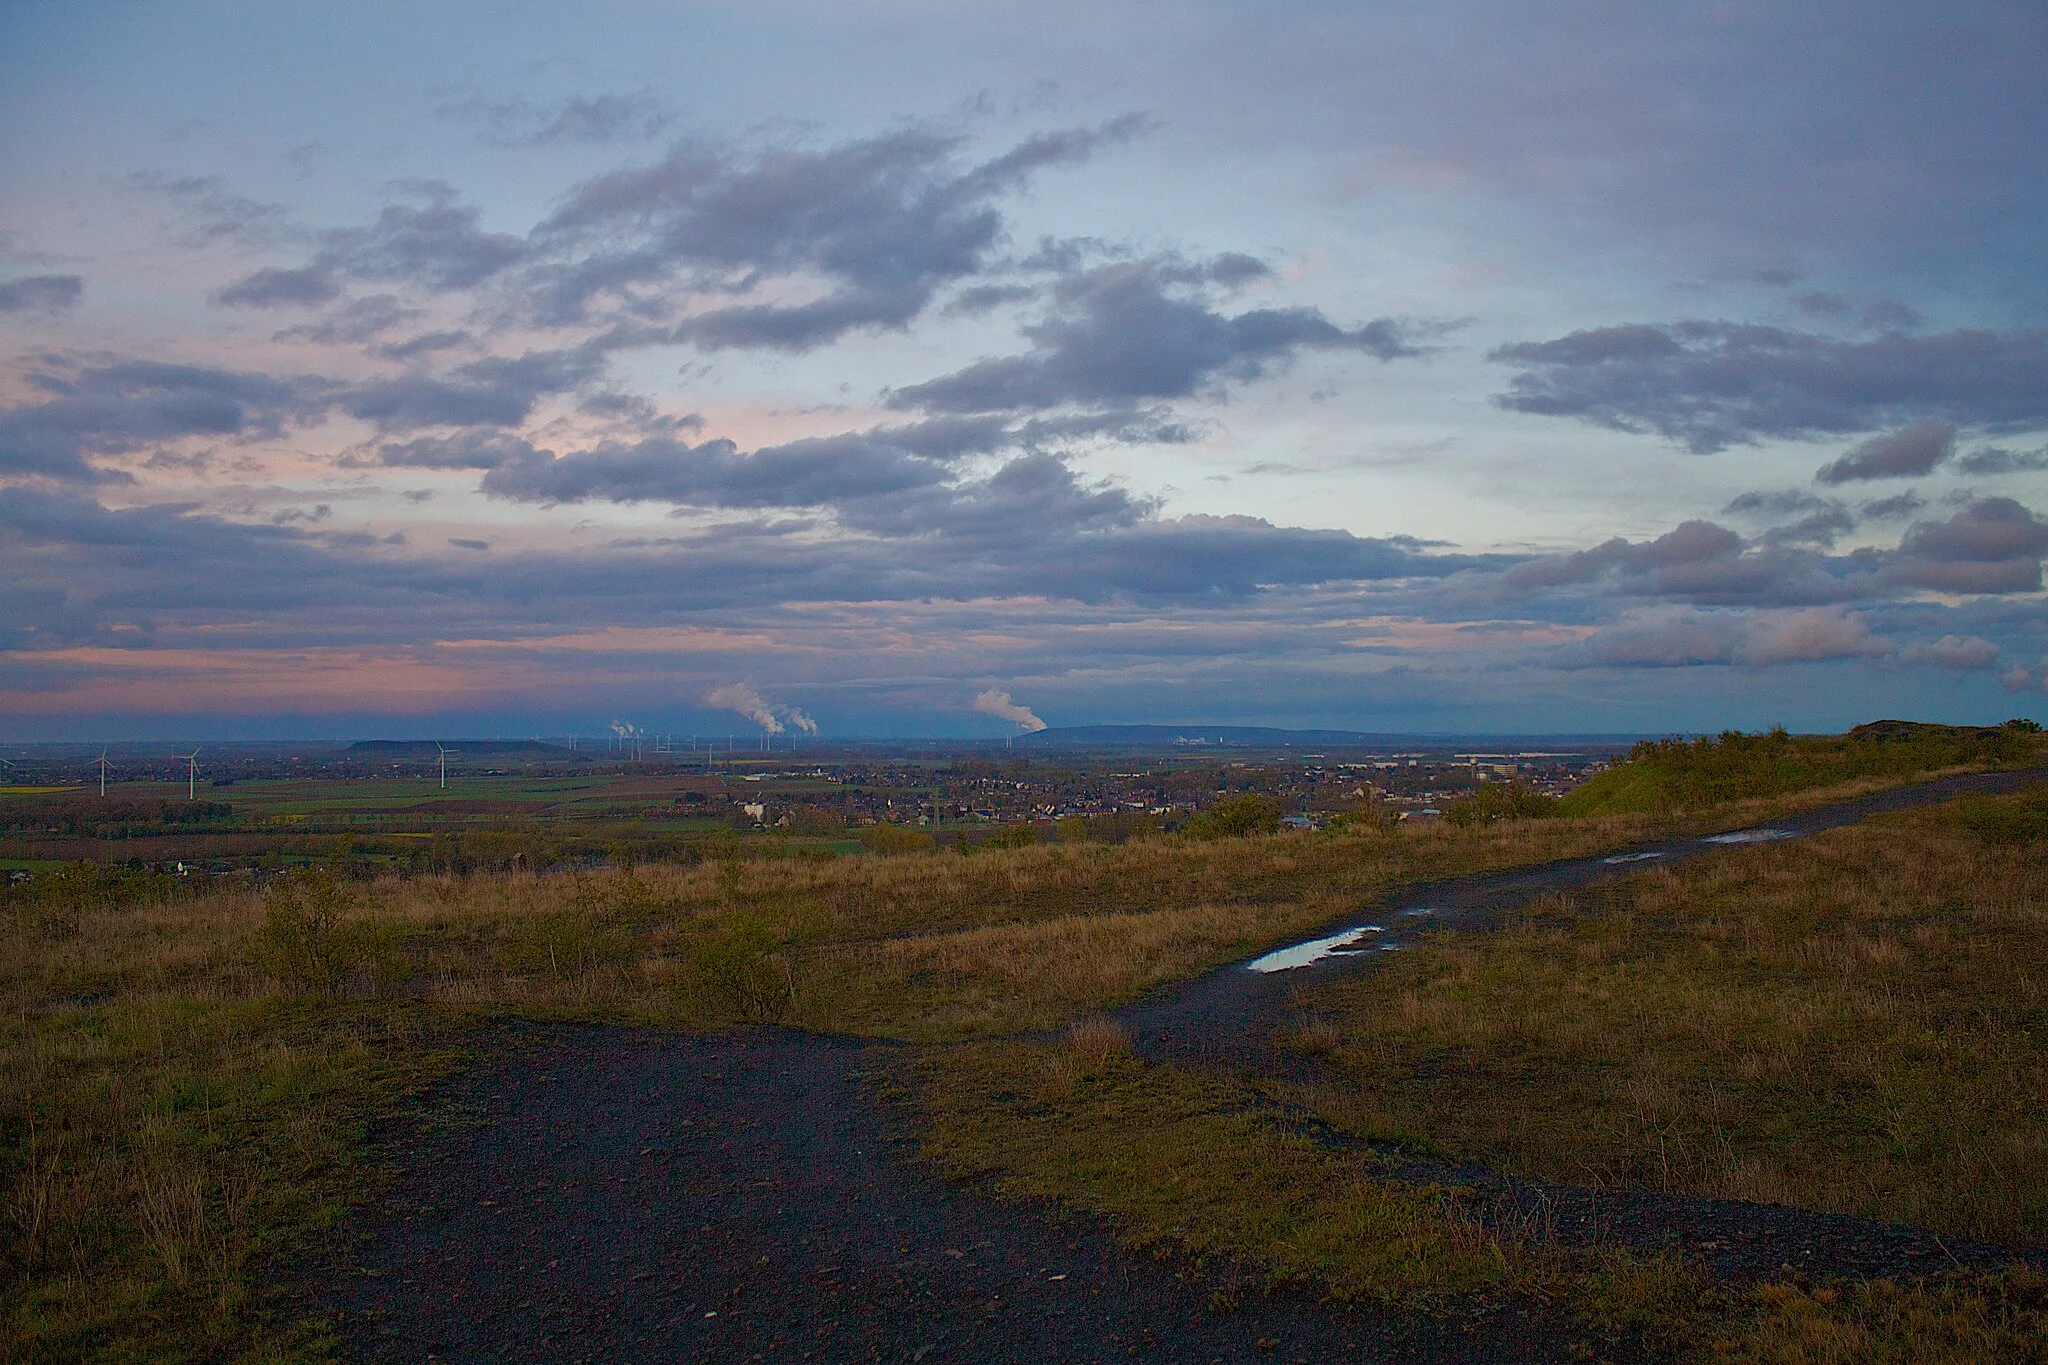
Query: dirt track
603, 1194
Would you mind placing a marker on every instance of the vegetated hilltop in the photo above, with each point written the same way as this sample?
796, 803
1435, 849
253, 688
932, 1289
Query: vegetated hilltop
1675, 774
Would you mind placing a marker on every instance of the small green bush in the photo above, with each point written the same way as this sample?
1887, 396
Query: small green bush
310, 942
1234, 818
1500, 801
744, 969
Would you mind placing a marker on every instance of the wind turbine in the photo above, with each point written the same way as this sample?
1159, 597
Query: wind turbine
191, 774
101, 762
444, 764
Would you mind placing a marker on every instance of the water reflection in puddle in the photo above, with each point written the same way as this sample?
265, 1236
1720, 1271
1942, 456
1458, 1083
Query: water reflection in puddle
1749, 836
1315, 950
1630, 858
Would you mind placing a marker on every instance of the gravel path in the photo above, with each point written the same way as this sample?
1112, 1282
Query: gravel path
605, 1194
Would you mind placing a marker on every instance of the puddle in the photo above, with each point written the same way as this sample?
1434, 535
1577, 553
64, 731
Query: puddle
1749, 836
1630, 858
1315, 950
1416, 913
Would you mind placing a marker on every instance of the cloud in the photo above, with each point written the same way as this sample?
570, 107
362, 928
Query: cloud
882, 223
1136, 331
996, 702
1994, 460
1898, 505
465, 450
1964, 653
281, 288
1906, 453
582, 119
432, 242
716, 473
1692, 543
1678, 636
1710, 385
495, 391
1993, 545
129, 405
42, 294
1813, 520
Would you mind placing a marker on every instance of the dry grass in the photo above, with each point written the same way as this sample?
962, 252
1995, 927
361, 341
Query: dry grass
1187, 1163
1853, 1023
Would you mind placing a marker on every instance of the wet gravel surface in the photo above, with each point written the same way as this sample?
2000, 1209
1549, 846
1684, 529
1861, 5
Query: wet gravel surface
587, 1193
605, 1194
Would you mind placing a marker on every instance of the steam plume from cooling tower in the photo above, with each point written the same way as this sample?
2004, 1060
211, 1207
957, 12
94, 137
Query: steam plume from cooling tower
996, 702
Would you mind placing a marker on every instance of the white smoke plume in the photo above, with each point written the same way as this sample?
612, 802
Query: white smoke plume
758, 709
626, 730
749, 703
996, 702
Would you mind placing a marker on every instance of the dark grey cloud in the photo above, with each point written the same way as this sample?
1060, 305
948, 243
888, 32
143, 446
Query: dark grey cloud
1989, 460
1710, 385
1034, 500
356, 322
1907, 453
1693, 543
495, 391
282, 288
823, 471
1794, 517
1896, 507
1993, 545
464, 450
1135, 331
130, 405
883, 222
42, 294
432, 242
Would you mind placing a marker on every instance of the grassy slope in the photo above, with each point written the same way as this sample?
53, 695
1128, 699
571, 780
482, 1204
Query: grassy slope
1672, 775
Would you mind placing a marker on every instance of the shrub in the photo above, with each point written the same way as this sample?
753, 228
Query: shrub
895, 839
743, 967
308, 941
1500, 801
1235, 817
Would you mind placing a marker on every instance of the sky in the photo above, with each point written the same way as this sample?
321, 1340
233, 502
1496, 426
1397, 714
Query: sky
955, 369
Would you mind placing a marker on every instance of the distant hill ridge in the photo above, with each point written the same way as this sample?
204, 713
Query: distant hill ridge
455, 746
1267, 737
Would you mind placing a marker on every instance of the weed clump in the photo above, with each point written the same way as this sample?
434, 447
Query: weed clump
1235, 817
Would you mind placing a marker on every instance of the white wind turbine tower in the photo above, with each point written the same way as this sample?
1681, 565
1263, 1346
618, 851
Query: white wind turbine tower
444, 764
101, 763
191, 774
